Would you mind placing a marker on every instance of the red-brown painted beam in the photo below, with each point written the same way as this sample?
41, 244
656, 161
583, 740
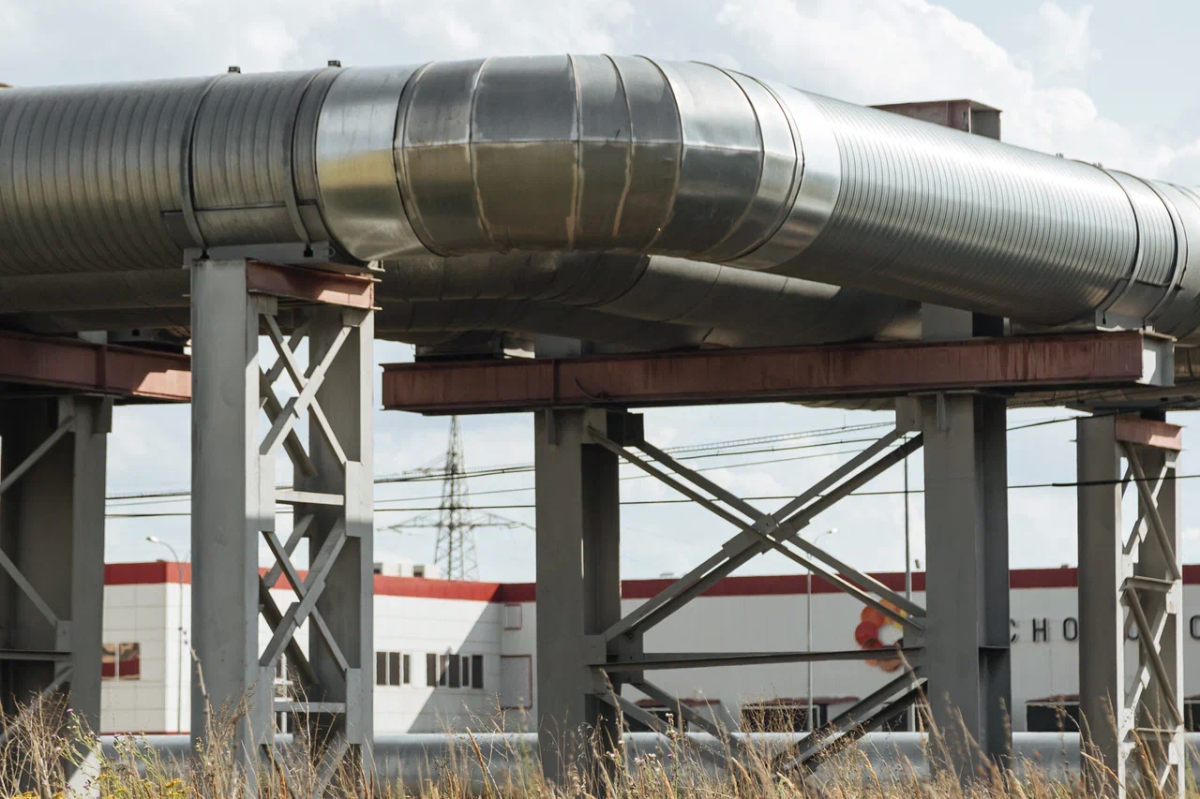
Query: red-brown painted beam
792, 373
312, 285
74, 365
1149, 433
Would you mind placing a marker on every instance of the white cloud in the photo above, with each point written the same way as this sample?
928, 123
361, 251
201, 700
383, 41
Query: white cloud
876, 51
146, 39
1059, 40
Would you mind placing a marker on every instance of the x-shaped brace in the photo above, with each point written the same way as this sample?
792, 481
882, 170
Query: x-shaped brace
307, 593
308, 385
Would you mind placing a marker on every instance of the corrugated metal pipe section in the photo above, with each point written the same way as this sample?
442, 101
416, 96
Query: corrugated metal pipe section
588, 154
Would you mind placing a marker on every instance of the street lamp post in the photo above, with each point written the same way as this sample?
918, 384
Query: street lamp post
808, 629
153, 539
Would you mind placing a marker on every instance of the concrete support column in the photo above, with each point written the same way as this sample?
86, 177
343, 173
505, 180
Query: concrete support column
52, 539
232, 500
966, 534
578, 586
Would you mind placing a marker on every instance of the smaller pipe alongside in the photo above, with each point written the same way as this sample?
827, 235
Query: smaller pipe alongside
411, 759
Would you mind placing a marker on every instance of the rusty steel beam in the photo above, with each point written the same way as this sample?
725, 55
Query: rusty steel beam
1013, 364
1148, 433
310, 285
66, 364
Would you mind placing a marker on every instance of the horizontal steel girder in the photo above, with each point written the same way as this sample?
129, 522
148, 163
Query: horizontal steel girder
72, 365
653, 661
1013, 364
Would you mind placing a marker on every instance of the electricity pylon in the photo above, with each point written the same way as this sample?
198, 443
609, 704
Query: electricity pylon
455, 521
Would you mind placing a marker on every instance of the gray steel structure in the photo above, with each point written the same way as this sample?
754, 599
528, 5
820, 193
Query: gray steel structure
718, 198
234, 500
52, 554
1131, 585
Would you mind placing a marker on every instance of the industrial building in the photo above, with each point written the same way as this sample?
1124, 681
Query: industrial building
454, 654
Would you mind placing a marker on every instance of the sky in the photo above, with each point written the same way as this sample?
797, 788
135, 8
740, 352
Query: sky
1093, 81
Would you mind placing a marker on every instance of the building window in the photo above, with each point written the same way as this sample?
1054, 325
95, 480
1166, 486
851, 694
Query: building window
513, 617
451, 671
1052, 714
666, 715
121, 661
782, 715
476, 671
392, 668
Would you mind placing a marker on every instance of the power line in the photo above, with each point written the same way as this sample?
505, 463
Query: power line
424, 474
646, 476
1073, 484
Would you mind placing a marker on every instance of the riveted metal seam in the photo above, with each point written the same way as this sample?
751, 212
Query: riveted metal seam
670, 211
290, 193
762, 165
577, 176
630, 151
187, 198
797, 173
411, 208
470, 148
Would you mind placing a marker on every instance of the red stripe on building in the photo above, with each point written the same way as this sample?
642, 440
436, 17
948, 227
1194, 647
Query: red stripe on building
160, 572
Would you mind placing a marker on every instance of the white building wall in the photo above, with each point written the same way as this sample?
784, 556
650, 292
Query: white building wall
419, 627
505, 635
1043, 667
137, 614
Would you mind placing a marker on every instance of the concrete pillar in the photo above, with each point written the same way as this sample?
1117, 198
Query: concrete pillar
52, 534
578, 586
966, 541
232, 500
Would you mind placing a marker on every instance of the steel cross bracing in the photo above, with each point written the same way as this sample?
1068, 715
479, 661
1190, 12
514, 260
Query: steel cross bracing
1131, 587
759, 532
41, 655
331, 500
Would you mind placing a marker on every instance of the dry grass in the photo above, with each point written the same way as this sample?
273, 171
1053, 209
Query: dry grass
48, 744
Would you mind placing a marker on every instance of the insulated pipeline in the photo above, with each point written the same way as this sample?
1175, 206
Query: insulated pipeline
586, 153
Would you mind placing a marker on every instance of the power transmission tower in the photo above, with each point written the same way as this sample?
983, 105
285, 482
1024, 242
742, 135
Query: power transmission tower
455, 521
454, 552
